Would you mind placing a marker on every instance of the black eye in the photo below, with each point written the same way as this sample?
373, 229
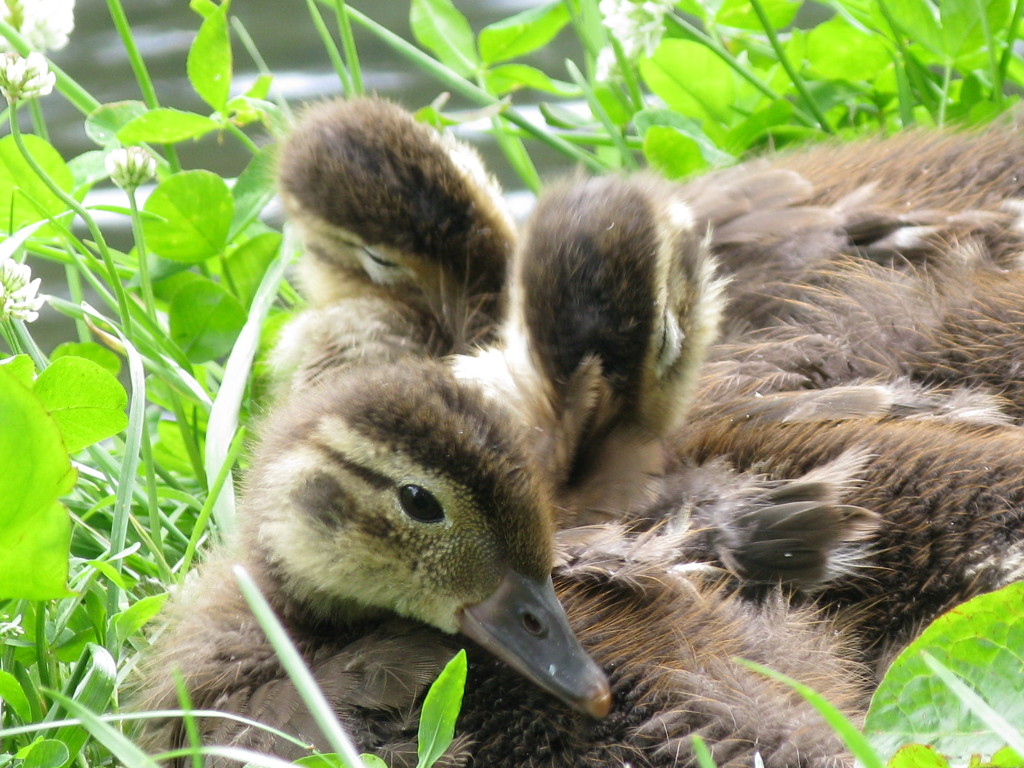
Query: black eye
420, 504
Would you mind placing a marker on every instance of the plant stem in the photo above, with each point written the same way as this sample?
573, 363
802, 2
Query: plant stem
472, 92
717, 48
1011, 37
94, 230
794, 76
148, 296
348, 46
140, 70
332, 50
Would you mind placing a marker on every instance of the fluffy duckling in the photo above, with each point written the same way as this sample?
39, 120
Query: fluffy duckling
954, 450
613, 300
947, 490
405, 233
390, 493
391, 506
957, 324
900, 200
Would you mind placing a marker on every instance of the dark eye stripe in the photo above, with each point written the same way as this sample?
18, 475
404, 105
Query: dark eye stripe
367, 475
322, 496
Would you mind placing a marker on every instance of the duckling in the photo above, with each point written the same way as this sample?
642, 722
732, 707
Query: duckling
899, 201
405, 233
948, 493
959, 442
956, 325
613, 300
389, 493
388, 507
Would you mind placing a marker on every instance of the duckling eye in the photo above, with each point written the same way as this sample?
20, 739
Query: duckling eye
420, 504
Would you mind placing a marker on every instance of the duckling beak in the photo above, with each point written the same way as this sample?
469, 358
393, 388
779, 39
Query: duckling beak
523, 624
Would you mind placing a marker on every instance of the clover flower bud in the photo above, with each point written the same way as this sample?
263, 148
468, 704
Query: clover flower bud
25, 77
130, 166
44, 24
18, 292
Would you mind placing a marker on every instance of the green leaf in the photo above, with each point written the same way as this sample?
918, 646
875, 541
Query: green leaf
666, 132
129, 621
253, 189
522, 33
205, 320
165, 126
24, 197
372, 761
329, 760
691, 79
917, 756
35, 530
970, 699
840, 51
103, 123
512, 77
21, 368
1007, 758
742, 136
90, 350
47, 753
87, 401
13, 695
439, 27
672, 153
740, 14
982, 642
440, 710
950, 28
196, 211
209, 60
247, 264
93, 694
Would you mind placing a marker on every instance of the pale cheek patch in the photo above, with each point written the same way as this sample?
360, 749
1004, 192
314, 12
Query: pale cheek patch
680, 216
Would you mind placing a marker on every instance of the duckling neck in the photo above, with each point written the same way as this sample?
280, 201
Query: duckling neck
313, 612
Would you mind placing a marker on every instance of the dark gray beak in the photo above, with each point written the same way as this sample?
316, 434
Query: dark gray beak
524, 625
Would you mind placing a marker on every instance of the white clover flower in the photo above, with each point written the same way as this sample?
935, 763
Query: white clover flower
18, 299
637, 25
25, 77
45, 24
130, 166
11, 628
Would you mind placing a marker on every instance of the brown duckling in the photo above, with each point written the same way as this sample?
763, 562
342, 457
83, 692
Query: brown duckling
394, 504
892, 432
958, 324
613, 300
401, 225
899, 201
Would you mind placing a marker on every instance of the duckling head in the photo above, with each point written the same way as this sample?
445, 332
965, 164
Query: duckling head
400, 490
374, 192
617, 271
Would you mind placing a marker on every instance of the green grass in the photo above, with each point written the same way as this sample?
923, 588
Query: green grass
93, 539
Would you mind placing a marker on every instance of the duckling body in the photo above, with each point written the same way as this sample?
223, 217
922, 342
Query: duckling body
901, 201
